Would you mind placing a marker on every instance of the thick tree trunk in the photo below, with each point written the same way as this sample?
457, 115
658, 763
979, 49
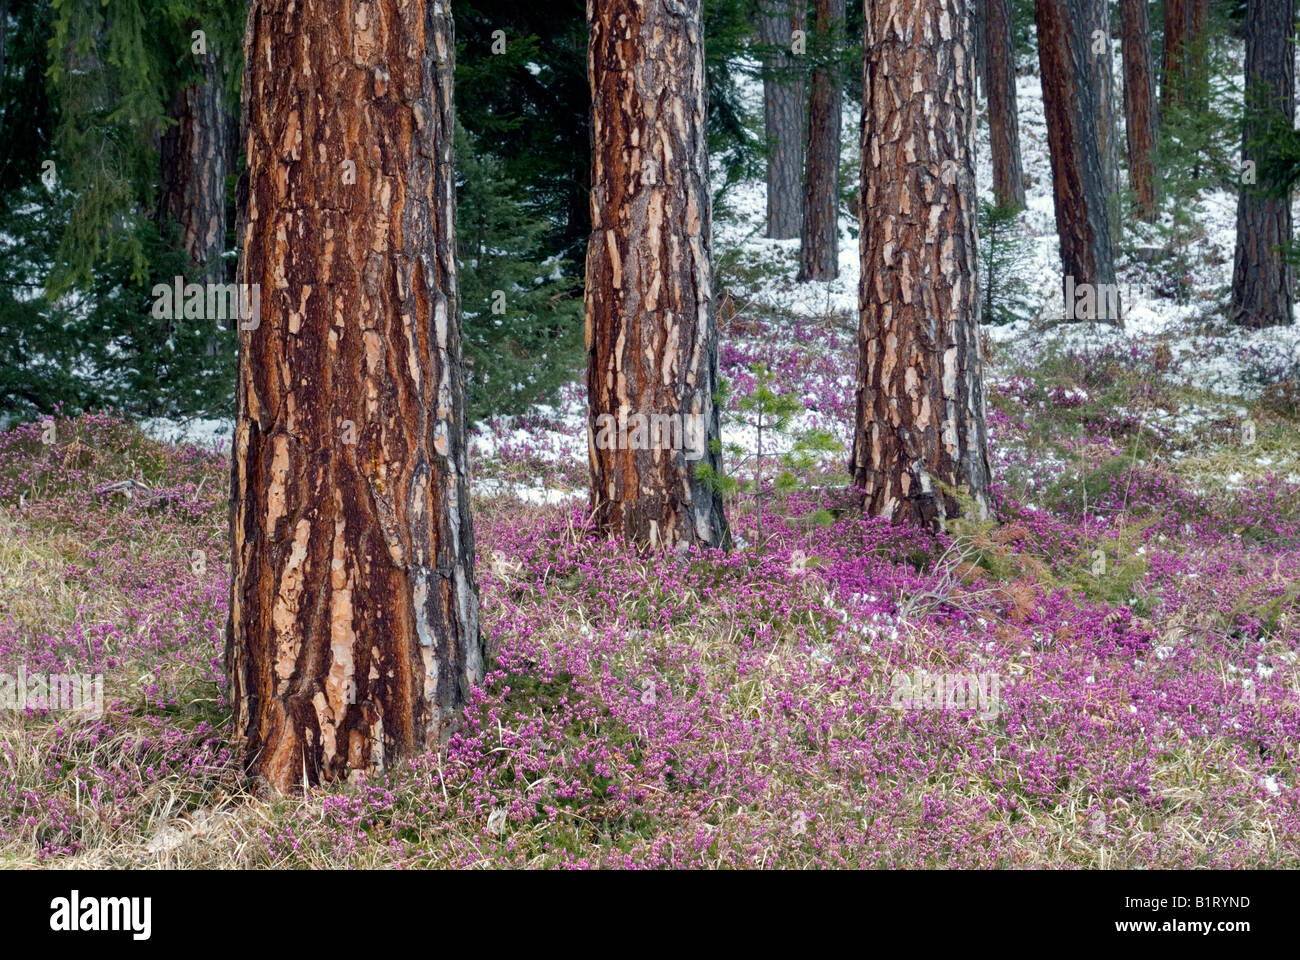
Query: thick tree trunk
1139, 106
1082, 218
353, 636
1261, 277
652, 364
920, 432
193, 155
1101, 70
1004, 120
819, 247
784, 96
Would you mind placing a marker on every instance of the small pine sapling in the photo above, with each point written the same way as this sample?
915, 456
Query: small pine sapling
772, 415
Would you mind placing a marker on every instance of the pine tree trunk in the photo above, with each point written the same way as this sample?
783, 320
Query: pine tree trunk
4, 39
920, 431
651, 334
1197, 23
193, 155
1178, 23
783, 116
1262, 279
1101, 68
819, 246
1082, 217
979, 30
1139, 106
353, 637
234, 140
1198, 64
1184, 57
1004, 120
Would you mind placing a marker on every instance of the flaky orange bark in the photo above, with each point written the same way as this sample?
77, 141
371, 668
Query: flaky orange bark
920, 430
353, 634
651, 331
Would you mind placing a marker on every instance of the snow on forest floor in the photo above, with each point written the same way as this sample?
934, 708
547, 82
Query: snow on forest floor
1103, 675
757, 276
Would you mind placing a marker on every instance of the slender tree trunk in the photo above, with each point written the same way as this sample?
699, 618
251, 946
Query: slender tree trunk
234, 150
1262, 279
652, 364
920, 432
1198, 55
979, 29
784, 95
1082, 217
1004, 120
819, 247
1185, 75
353, 637
193, 155
1139, 106
1101, 69
4, 35
1178, 23
1198, 65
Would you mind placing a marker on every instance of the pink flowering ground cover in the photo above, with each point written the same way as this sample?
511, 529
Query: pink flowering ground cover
1131, 611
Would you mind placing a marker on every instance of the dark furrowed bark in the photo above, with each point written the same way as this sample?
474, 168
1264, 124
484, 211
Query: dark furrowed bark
1262, 279
1139, 106
819, 240
1082, 218
1004, 120
1100, 61
784, 95
193, 160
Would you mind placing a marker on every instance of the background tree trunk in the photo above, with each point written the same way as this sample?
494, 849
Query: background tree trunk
1004, 120
1198, 65
651, 333
1198, 55
1178, 23
193, 170
1262, 278
353, 636
784, 97
1101, 69
1082, 219
920, 429
4, 36
819, 246
1139, 106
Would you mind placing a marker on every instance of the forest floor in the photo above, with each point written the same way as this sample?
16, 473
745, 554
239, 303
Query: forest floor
1130, 620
